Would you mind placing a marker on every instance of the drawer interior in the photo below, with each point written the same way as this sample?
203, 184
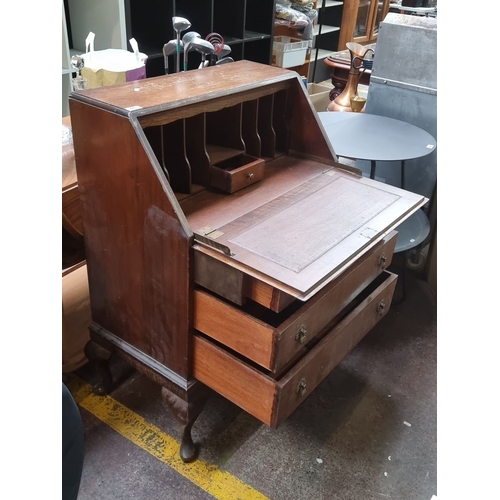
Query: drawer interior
236, 173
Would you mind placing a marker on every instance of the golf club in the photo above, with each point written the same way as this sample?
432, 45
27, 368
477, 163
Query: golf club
224, 60
168, 49
180, 24
218, 42
186, 40
226, 50
204, 48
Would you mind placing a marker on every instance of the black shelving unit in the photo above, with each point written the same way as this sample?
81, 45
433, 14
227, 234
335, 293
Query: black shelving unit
327, 34
246, 26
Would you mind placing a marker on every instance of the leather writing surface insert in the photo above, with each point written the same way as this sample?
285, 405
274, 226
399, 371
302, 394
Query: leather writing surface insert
298, 235
301, 225
305, 236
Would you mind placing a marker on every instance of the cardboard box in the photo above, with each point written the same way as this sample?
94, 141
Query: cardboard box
319, 95
76, 317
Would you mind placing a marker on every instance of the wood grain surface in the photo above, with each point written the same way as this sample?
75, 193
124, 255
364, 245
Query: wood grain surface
138, 249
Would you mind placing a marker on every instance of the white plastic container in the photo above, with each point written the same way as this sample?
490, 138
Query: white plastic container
289, 52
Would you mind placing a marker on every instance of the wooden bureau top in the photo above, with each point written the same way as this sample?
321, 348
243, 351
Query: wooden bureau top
188, 86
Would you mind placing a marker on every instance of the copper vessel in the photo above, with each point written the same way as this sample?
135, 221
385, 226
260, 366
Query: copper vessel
343, 101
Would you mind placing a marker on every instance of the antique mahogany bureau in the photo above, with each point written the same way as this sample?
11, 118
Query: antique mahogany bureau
226, 247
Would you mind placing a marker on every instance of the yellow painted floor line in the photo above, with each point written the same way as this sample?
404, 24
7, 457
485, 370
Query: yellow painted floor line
218, 483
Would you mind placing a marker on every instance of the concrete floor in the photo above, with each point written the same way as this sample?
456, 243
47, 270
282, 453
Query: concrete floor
371, 423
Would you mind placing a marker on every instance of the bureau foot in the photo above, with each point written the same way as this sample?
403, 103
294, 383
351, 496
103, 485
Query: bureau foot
98, 358
186, 413
188, 450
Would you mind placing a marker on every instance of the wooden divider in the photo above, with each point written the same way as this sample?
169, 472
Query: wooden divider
265, 124
196, 151
187, 148
279, 121
249, 129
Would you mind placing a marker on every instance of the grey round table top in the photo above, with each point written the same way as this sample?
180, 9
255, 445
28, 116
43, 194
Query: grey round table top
363, 136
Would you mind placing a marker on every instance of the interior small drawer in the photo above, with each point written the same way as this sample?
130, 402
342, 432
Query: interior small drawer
273, 339
236, 173
270, 400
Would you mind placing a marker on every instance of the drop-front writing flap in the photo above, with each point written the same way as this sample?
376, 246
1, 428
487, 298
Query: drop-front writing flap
303, 237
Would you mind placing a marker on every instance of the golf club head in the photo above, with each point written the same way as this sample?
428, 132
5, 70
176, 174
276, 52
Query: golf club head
203, 47
168, 49
188, 36
225, 60
186, 39
180, 24
224, 52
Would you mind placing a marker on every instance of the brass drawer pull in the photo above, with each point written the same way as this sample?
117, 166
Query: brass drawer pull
301, 388
250, 176
381, 307
301, 334
382, 260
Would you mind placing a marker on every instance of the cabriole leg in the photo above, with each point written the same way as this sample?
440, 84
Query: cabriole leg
186, 412
98, 358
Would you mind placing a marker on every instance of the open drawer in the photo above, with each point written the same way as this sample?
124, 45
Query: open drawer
271, 340
272, 401
237, 172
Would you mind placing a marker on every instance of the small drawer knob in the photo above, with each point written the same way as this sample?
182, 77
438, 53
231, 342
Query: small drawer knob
382, 260
301, 335
301, 388
381, 307
250, 176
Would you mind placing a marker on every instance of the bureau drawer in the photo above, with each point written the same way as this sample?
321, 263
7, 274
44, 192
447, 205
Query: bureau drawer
236, 173
272, 339
272, 401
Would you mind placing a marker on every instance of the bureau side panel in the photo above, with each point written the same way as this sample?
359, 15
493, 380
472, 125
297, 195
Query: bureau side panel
307, 135
137, 247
